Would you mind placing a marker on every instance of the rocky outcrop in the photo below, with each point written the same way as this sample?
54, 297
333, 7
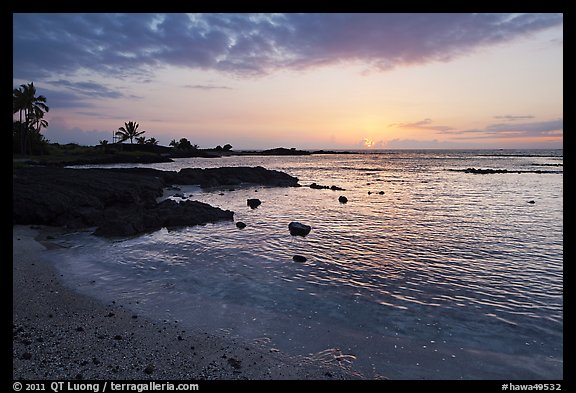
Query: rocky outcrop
167, 214
342, 199
316, 186
299, 229
215, 177
79, 197
121, 202
488, 171
253, 203
282, 151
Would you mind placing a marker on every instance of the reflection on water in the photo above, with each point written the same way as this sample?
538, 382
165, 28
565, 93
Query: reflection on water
445, 275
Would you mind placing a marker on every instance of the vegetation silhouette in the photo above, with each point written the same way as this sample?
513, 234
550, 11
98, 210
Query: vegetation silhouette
183, 144
31, 110
129, 131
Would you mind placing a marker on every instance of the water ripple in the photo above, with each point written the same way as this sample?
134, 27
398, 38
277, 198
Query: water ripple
442, 256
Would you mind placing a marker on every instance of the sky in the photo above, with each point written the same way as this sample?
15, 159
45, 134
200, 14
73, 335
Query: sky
310, 81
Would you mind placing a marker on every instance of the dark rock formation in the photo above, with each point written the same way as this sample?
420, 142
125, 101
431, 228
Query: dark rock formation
298, 229
342, 199
167, 214
489, 171
79, 197
240, 225
228, 176
299, 258
122, 202
218, 177
282, 151
321, 187
531, 202
381, 193
253, 203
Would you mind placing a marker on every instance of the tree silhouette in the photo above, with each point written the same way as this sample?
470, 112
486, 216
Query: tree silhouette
129, 131
32, 107
36, 119
104, 145
184, 144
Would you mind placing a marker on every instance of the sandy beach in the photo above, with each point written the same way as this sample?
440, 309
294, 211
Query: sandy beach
60, 334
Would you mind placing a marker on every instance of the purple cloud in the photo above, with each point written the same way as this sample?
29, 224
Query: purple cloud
207, 87
89, 88
425, 124
125, 45
549, 127
553, 127
514, 117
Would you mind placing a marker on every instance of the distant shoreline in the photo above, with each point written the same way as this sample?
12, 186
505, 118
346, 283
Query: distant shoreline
144, 154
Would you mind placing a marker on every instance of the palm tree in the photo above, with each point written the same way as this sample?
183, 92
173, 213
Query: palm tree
152, 141
141, 140
129, 131
36, 119
104, 145
24, 100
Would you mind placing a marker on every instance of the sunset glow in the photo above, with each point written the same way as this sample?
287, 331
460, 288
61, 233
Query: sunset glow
337, 81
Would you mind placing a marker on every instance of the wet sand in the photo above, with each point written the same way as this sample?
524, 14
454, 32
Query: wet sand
61, 334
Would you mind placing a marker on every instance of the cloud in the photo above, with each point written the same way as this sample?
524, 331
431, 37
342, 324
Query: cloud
89, 89
207, 87
129, 45
422, 144
513, 117
100, 115
65, 99
422, 125
59, 132
546, 128
510, 129
540, 128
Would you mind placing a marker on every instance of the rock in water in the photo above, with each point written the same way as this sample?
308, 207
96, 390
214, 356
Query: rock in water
321, 187
342, 199
381, 193
254, 203
240, 225
531, 202
298, 229
299, 258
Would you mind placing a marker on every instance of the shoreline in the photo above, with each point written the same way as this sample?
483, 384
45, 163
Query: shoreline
61, 334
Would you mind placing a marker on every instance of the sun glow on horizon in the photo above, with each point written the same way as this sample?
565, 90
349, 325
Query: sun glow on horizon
369, 143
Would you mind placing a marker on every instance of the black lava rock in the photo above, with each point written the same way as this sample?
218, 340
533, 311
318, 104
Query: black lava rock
254, 203
299, 229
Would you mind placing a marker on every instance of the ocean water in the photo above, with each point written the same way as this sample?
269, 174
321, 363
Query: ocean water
446, 275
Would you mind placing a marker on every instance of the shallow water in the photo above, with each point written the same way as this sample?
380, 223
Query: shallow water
445, 275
